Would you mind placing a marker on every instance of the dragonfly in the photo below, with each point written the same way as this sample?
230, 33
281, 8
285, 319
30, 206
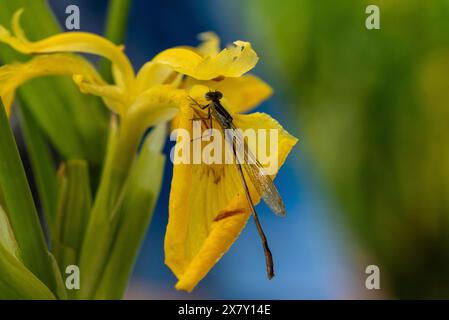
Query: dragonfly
247, 162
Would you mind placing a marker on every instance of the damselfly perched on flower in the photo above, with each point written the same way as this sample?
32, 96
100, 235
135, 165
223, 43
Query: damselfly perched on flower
208, 207
244, 158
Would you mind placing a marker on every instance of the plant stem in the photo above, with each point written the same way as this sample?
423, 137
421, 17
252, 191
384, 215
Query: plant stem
116, 27
104, 217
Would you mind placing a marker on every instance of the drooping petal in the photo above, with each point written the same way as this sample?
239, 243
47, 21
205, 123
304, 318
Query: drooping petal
208, 207
14, 75
230, 62
210, 45
81, 42
113, 96
152, 74
242, 93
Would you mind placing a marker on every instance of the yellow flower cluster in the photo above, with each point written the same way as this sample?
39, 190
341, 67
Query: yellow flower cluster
195, 238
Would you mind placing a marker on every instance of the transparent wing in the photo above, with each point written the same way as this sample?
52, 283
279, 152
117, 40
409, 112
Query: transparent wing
260, 179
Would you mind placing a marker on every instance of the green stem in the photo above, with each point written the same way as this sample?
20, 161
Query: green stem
142, 191
116, 27
104, 216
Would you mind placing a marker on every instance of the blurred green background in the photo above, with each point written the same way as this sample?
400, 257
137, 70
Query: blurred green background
373, 107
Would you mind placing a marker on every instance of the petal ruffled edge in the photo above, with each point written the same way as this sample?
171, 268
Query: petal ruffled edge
242, 93
233, 61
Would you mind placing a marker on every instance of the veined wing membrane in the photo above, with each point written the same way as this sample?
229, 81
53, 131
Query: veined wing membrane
260, 179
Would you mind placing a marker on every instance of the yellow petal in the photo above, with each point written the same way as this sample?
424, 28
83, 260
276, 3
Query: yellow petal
14, 75
152, 74
157, 104
15, 25
208, 208
242, 93
222, 235
230, 62
71, 42
210, 45
113, 96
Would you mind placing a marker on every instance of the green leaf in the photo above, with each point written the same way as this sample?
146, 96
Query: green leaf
74, 205
60, 288
142, 191
22, 213
42, 165
7, 238
117, 20
17, 282
103, 217
2, 199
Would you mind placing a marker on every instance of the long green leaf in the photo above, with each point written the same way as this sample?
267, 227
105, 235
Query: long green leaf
60, 288
2, 198
42, 165
7, 238
100, 228
116, 27
74, 204
141, 195
117, 20
19, 202
17, 282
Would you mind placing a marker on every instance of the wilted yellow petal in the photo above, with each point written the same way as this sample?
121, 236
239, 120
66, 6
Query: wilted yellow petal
71, 42
14, 75
230, 62
208, 207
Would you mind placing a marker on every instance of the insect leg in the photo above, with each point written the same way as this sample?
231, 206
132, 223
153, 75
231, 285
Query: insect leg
211, 120
198, 104
209, 117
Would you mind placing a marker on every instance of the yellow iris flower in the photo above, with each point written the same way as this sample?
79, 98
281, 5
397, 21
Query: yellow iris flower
208, 208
